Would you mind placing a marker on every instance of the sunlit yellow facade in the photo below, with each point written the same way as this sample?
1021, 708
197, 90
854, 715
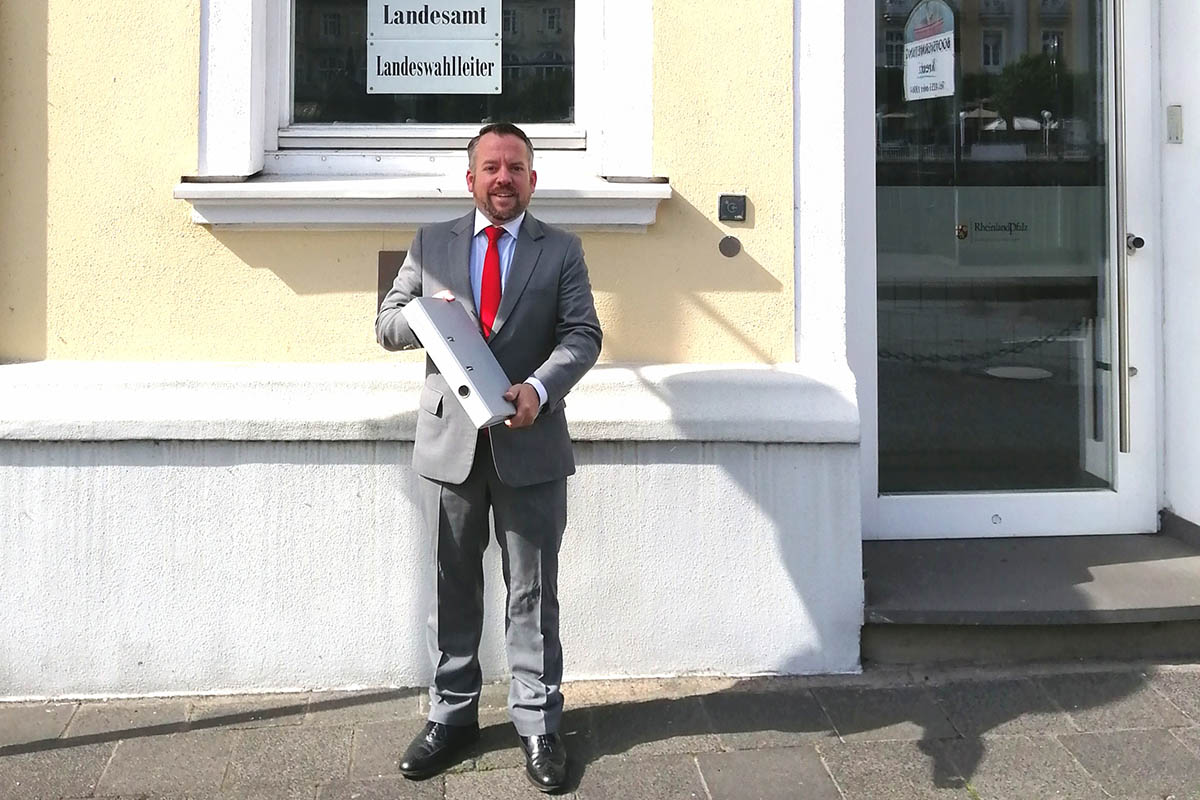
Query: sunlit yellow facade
99, 262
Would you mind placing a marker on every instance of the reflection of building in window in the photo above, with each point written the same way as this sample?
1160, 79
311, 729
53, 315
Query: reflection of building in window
896, 10
330, 69
995, 8
893, 48
543, 52
1055, 8
1052, 45
331, 26
549, 63
993, 49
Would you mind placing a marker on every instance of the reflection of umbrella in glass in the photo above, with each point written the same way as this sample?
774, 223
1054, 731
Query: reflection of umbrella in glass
1019, 124
881, 121
978, 113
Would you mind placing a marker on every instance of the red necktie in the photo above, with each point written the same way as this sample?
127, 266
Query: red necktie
489, 291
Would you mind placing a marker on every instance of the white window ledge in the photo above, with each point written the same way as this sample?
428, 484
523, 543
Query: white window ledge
105, 401
363, 201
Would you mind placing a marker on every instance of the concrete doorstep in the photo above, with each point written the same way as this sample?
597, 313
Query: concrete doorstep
1069, 730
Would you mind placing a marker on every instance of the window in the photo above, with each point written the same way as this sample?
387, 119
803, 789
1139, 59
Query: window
530, 93
509, 22
993, 49
893, 48
331, 26
331, 68
264, 160
1052, 45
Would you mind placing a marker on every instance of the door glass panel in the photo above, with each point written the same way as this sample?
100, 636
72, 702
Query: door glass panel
994, 341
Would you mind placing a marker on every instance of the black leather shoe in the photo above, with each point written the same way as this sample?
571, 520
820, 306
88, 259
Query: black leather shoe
436, 747
545, 761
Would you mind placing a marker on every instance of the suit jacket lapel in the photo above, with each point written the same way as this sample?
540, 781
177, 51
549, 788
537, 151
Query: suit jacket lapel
525, 258
458, 280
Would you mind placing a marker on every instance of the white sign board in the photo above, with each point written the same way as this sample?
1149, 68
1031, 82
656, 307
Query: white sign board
929, 51
433, 19
433, 47
420, 67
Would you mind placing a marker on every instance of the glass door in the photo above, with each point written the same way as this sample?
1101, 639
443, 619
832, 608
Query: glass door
1001, 210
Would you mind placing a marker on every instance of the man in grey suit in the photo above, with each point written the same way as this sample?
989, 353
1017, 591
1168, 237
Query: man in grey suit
527, 284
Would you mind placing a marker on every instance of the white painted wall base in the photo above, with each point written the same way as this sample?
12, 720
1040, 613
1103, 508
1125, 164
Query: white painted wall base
134, 567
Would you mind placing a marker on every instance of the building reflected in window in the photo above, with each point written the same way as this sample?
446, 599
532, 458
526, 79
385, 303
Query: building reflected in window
1027, 81
330, 69
993, 252
1052, 44
331, 26
993, 50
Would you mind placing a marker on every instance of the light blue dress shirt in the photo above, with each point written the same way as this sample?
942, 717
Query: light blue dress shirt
507, 245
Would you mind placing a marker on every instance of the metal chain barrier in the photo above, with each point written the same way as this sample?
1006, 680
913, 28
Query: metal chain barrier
983, 355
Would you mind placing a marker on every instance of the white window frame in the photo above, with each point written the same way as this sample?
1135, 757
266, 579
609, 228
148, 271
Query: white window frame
1055, 34
245, 99
998, 51
510, 21
324, 136
893, 43
331, 19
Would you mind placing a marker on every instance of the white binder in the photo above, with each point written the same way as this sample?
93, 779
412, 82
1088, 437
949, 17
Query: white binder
453, 340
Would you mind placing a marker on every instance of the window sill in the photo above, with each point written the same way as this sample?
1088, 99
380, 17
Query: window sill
113, 401
363, 201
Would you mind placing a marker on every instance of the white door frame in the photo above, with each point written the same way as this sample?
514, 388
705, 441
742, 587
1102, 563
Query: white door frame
1133, 504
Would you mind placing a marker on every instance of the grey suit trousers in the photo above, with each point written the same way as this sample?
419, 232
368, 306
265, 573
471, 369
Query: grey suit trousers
529, 524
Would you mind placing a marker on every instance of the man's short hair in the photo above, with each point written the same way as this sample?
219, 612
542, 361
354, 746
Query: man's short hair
500, 129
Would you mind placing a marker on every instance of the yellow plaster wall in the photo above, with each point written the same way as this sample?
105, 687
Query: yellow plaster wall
22, 181
722, 124
127, 276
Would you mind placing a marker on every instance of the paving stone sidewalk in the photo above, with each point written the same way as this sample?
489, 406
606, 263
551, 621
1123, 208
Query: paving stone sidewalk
1061, 731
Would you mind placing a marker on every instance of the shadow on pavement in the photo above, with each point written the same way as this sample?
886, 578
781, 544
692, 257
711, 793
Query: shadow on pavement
218, 721
946, 717
947, 720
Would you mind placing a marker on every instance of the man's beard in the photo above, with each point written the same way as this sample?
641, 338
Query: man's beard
496, 215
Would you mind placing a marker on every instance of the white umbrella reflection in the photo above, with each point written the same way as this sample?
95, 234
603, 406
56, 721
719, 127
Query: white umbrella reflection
978, 113
1019, 124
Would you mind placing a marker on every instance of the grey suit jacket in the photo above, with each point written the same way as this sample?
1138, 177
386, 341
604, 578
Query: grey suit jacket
546, 327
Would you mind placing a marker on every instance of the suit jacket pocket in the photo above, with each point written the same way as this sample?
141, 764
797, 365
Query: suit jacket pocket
431, 400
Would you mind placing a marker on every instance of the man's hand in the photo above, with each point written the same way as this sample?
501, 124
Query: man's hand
445, 294
526, 399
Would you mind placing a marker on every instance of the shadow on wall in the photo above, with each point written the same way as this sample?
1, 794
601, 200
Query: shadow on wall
648, 287
23, 176
950, 719
647, 300
807, 493
315, 262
